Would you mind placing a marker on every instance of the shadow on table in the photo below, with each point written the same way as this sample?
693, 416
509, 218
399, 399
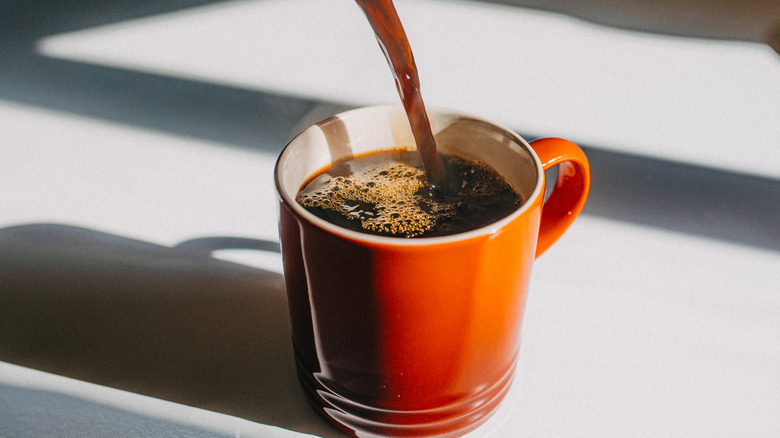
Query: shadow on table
171, 323
81, 418
694, 200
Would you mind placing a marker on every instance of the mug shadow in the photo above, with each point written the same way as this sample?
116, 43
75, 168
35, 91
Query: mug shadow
170, 323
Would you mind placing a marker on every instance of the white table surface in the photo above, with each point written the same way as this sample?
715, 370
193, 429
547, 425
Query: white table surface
657, 314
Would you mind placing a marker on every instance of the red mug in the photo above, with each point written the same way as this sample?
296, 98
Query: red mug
420, 336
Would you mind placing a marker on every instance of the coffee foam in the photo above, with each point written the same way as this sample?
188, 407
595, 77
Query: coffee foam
383, 198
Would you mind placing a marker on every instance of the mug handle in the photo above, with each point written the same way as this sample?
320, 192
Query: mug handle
571, 187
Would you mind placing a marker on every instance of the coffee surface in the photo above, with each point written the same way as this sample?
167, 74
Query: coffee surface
386, 193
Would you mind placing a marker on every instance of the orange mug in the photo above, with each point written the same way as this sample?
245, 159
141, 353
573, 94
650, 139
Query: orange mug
420, 336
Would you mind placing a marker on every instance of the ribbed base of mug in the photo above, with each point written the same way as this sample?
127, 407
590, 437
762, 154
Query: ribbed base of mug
359, 420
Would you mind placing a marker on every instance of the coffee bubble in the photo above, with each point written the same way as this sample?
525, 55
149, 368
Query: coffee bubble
383, 198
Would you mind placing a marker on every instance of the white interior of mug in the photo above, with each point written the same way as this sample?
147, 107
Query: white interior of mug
374, 128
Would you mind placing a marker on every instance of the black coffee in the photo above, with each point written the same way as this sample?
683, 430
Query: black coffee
385, 193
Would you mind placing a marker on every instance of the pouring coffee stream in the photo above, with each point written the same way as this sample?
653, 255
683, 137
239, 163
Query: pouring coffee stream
391, 36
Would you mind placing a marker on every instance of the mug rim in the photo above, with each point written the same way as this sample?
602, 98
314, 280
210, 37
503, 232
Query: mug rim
374, 239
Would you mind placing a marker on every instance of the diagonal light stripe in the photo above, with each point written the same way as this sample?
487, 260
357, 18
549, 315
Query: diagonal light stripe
703, 102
